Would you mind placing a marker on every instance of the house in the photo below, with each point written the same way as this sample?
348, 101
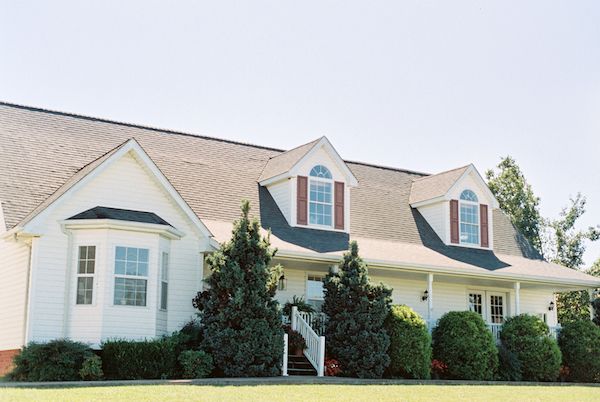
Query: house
104, 229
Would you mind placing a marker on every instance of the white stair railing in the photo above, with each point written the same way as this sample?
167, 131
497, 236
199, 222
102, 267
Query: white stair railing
316, 321
284, 366
495, 329
315, 344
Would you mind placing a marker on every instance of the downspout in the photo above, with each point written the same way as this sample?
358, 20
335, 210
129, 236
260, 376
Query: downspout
28, 293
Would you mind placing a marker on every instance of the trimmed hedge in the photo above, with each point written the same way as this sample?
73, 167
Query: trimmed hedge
527, 338
464, 344
196, 364
57, 360
579, 342
410, 344
137, 360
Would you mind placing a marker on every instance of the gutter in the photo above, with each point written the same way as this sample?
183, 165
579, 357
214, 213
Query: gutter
425, 268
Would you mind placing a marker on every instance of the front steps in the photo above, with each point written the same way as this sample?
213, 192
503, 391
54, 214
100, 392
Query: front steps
299, 365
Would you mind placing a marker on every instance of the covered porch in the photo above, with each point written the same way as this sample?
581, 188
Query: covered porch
432, 294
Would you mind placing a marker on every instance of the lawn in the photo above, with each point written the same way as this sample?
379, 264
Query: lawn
306, 393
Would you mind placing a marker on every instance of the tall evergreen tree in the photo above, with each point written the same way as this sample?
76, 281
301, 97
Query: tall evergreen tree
241, 320
564, 244
357, 310
517, 200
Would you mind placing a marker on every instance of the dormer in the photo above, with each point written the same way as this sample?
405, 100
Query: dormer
458, 205
311, 186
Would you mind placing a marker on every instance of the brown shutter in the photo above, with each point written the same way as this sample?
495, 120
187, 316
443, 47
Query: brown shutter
339, 205
454, 222
483, 217
302, 201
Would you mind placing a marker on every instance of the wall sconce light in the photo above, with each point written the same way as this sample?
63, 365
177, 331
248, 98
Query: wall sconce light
282, 285
551, 306
425, 295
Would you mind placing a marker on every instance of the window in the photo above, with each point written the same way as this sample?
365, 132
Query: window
476, 303
469, 218
496, 309
315, 291
321, 199
86, 266
164, 281
131, 276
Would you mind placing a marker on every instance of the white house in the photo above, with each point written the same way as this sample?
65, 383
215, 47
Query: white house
104, 227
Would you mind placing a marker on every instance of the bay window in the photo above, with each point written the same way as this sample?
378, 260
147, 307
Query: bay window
131, 276
86, 267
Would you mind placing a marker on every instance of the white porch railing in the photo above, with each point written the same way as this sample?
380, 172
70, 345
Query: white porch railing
495, 329
316, 321
315, 344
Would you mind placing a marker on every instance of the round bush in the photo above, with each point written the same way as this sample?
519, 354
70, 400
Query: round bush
463, 343
57, 360
410, 344
527, 338
579, 343
196, 364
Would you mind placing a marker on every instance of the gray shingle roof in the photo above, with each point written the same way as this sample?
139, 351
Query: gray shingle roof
437, 185
121, 215
283, 162
41, 151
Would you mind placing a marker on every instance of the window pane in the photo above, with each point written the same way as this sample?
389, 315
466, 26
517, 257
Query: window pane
85, 289
164, 290
132, 254
121, 253
142, 269
314, 288
143, 255
91, 252
130, 292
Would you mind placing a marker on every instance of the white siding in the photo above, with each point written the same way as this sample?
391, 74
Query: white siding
536, 302
281, 193
436, 216
125, 184
14, 265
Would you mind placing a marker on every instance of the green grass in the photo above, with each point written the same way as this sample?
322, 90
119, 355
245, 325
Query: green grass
305, 393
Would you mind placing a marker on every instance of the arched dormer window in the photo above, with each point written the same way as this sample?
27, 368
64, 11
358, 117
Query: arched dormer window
320, 210
321, 172
469, 218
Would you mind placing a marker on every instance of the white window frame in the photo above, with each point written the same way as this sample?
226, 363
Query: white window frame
461, 222
330, 182
490, 306
164, 280
125, 276
314, 278
482, 295
86, 274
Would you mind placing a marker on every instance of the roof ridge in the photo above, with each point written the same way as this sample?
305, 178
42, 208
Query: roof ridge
443, 172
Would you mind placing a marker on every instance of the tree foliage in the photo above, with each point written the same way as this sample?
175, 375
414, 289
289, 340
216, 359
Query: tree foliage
241, 320
517, 200
357, 310
565, 244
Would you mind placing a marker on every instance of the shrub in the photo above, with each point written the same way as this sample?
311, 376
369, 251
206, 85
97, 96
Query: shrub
527, 337
91, 369
579, 342
189, 336
57, 360
195, 363
357, 311
298, 302
510, 366
135, 360
410, 344
240, 317
464, 344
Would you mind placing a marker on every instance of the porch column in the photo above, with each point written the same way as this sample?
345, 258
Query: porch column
517, 298
429, 298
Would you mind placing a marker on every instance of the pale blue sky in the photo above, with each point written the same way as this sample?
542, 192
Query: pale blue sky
423, 85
